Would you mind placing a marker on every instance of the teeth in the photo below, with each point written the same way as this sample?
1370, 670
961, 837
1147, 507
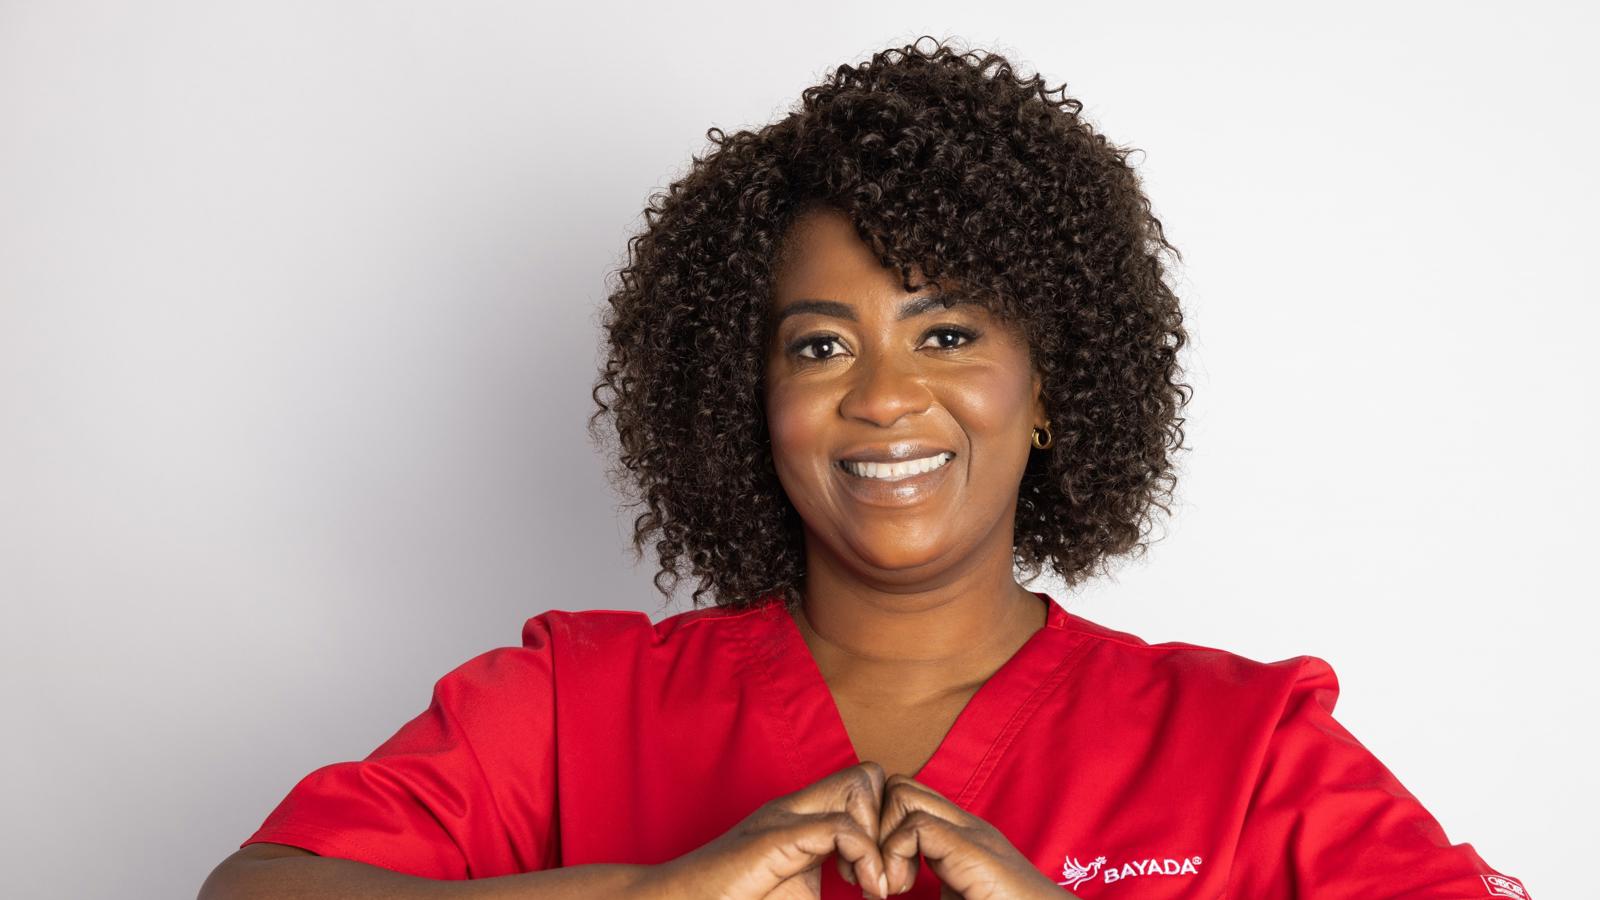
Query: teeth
892, 471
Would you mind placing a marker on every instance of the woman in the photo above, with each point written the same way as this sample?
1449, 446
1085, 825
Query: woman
866, 366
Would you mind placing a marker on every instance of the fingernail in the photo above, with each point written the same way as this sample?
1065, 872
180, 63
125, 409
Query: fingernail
883, 884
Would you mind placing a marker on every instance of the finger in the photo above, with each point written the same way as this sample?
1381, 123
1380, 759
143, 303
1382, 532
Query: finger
861, 862
900, 850
846, 871
903, 798
902, 794
856, 791
862, 873
919, 832
808, 839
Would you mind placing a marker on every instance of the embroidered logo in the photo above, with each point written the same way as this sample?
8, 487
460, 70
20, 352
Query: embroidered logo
1504, 886
1076, 873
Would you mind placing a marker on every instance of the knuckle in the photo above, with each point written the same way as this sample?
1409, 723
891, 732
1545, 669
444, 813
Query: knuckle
861, 778
766, 817
897, 784
842, 821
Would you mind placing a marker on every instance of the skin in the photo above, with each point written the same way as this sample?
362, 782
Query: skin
908, 604
908, 609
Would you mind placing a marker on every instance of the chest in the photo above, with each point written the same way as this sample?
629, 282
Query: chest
653, 763
899, 736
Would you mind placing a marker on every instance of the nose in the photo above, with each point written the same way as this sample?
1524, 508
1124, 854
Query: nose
883, 389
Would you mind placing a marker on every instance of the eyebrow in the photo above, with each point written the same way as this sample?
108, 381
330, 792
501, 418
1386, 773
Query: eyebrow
910, 309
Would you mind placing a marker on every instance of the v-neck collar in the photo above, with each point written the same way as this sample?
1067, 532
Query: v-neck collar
813, 728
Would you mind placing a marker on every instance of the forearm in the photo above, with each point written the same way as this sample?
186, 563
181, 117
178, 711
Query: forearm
329, 878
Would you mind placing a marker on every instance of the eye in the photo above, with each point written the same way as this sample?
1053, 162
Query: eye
814, 341
950, 331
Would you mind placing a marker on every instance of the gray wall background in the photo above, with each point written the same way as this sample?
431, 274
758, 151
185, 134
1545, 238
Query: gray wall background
298, 321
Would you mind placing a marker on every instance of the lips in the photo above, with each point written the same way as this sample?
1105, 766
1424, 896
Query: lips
892, 453
896, 493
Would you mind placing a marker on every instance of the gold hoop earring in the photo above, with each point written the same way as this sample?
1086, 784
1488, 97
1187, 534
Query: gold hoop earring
1049, 438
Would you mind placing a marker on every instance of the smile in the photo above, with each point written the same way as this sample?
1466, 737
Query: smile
896, 471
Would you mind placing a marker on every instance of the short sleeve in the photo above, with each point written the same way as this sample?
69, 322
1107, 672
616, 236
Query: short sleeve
1326, 819
464, 790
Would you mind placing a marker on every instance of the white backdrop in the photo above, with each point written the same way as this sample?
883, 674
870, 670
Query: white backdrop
298, 320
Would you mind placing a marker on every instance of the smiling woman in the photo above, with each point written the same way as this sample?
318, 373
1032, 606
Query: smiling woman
871, 369
900, 429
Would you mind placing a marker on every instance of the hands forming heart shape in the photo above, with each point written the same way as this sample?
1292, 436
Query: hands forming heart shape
875, 827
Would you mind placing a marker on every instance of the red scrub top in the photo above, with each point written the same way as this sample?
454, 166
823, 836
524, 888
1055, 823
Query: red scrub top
1121, 769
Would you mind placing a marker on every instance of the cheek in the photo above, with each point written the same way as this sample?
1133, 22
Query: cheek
796, 420
992, 405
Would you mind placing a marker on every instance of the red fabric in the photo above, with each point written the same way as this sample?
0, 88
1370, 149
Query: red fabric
1120, 768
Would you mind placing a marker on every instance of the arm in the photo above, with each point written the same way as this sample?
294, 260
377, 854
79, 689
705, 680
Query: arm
267, 871
423, 804
1328, 820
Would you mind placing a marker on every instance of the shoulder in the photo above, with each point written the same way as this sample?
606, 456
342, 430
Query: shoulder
1197, 670
573, 633
573, 636
590, 650
594, 628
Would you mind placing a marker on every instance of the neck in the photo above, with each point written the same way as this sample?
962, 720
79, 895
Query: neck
916, 640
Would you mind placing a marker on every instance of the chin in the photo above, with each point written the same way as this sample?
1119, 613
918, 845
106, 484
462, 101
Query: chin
893, 552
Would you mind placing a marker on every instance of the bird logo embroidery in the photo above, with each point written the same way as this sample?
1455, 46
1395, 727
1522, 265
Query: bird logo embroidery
1076, 873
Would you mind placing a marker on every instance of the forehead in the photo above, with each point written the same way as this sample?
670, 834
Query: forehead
823, 256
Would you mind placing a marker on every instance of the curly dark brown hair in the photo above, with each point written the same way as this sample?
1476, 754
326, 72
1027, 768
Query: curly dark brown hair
945, 161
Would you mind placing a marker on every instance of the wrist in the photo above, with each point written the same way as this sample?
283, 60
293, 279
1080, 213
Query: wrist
663, 881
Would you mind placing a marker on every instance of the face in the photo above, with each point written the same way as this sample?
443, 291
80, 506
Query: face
861, 374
